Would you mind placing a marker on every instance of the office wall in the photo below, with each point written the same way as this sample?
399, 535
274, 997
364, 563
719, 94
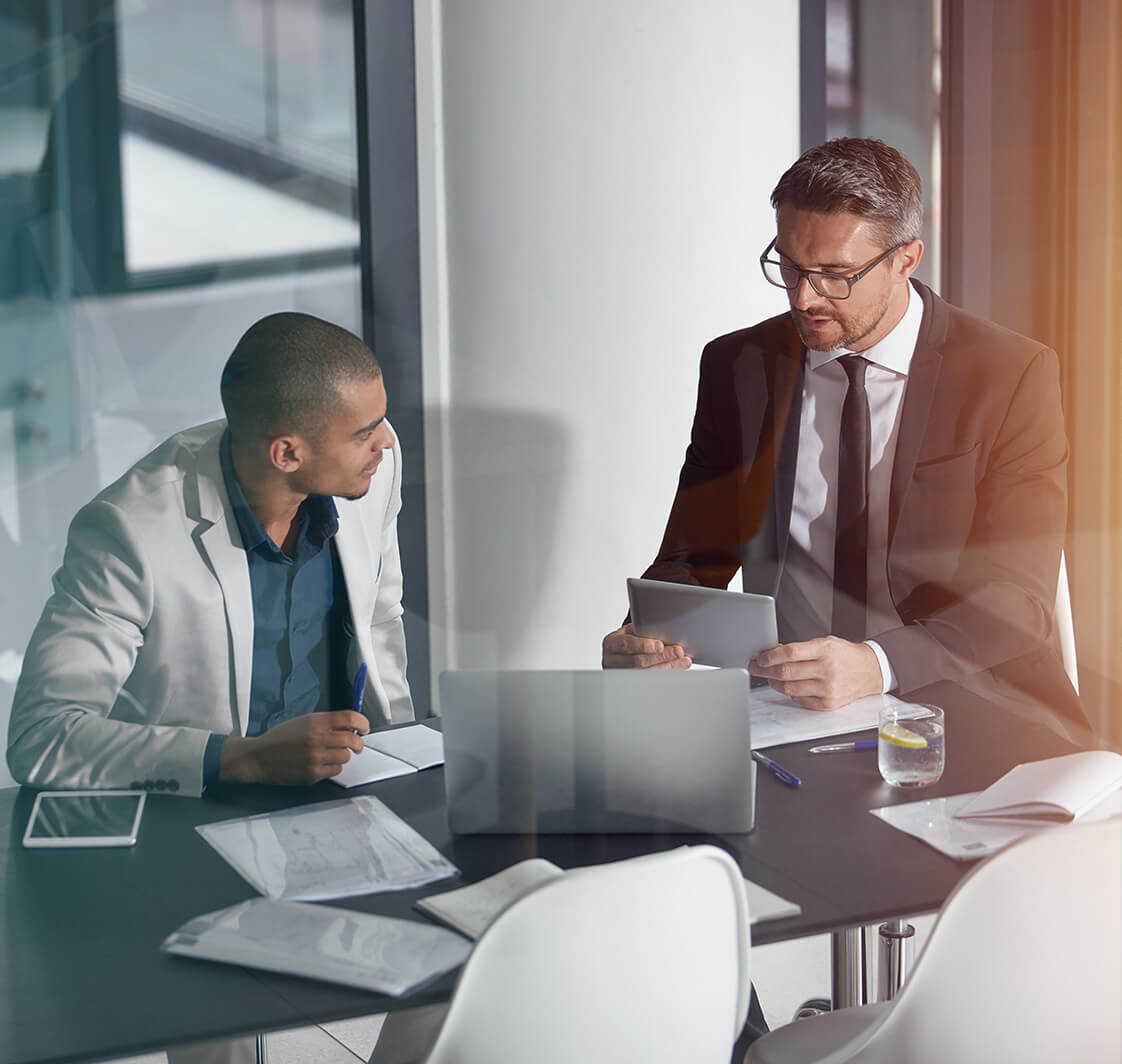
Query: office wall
594, 186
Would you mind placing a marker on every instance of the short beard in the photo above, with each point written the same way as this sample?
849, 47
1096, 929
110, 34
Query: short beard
858, 330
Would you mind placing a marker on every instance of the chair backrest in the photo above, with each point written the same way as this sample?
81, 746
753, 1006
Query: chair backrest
1065, 625
1023, 964
644, 960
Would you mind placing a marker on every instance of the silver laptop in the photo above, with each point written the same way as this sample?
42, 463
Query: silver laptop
614, 751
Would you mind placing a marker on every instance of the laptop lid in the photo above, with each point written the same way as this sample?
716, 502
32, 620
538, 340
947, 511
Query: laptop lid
613, 751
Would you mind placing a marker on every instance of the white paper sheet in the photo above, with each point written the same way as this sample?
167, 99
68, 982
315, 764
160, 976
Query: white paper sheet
776, 719
328, 850
357, 949
935, 823
369, 766
764, 904
417, 745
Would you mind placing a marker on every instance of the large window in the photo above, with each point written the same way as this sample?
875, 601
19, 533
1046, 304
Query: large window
169, 173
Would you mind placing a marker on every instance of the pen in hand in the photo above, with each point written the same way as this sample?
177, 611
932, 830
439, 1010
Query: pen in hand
359, 692
777, 770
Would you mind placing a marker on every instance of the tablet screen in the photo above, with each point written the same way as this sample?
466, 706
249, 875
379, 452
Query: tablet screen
85, 816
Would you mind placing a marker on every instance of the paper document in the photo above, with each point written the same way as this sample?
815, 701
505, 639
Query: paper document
934, 821
1055, 788
357, 949
471, 909
329, 850
764, 904
776, 719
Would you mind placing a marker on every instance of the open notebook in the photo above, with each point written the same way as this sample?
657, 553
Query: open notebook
1057, 788
471, 909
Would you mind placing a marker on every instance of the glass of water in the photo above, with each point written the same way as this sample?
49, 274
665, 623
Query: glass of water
911, 747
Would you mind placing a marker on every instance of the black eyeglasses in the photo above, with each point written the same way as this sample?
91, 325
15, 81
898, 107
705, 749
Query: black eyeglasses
835, 286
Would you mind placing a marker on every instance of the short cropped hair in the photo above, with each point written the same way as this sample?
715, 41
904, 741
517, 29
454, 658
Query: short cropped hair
857, 175
286, 374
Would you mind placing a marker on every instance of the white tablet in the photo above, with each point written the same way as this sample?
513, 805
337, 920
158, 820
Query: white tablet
722, 628
85, 818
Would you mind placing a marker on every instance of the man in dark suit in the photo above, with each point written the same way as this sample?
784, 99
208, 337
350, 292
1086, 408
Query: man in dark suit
888, 466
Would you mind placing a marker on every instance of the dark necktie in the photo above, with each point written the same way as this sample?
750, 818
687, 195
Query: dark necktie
852, 531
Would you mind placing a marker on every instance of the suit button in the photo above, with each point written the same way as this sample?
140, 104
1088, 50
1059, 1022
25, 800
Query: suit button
173, 785
148, 785
161, 785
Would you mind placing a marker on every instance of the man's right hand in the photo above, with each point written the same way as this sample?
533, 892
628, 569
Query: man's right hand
305, 749
623, 649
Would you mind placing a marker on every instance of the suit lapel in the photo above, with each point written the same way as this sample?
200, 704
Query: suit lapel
788, 414
220, 545
923, 376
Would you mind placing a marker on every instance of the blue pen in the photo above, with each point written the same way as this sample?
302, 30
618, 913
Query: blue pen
360, 688
777, 770
839, 748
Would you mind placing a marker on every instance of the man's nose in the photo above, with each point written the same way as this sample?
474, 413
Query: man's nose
803, 295
384, 438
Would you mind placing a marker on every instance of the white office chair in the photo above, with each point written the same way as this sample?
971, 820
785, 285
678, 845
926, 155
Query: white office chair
641, 961
1023, 964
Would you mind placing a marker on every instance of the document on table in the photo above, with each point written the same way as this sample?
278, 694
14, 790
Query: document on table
934, 821
776, 719
327, 850
357, 949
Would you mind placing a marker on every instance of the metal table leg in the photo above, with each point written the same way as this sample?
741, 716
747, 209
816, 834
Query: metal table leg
894, 957
847, 968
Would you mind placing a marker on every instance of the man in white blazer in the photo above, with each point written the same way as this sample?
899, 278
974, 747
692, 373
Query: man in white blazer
173, 653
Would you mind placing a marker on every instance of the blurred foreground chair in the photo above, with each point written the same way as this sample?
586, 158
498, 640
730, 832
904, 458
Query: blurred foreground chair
638, 962
1023, 964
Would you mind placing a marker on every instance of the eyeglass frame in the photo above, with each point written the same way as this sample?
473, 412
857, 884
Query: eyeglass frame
850, 279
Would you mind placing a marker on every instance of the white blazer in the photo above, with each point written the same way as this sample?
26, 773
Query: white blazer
145, 647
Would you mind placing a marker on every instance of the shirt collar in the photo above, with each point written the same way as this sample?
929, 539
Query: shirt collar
895, 351
322, 517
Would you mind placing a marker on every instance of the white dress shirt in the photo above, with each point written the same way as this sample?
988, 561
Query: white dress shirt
806, 590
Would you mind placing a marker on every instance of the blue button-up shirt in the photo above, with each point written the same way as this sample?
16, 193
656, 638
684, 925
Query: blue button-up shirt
299, 610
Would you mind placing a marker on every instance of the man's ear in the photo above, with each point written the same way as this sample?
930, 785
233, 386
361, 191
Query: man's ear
287, 453
909, 258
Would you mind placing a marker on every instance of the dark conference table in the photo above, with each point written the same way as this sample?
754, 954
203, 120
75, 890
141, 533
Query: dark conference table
83, 976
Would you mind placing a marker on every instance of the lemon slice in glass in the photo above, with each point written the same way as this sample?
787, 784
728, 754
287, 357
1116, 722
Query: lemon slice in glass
900, 736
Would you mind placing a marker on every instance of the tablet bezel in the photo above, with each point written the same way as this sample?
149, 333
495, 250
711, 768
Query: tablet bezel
725, 629
59, 842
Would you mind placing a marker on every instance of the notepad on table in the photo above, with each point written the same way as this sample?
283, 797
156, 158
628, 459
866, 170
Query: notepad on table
395, 752
1057, 788
471, 909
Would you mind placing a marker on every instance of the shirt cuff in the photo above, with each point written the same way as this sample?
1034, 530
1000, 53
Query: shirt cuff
887, 676
212, 759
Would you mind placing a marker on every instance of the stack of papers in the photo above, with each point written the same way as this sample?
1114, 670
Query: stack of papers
329, 850
396, 752
471, 909
355, 949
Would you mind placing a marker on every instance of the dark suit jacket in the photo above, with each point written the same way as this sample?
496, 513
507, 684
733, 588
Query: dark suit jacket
977, 504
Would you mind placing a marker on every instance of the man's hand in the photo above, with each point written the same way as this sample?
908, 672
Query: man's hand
303, 750
821, 673
623, 649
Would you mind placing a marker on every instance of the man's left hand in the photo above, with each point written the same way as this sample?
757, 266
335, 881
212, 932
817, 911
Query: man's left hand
822, 673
